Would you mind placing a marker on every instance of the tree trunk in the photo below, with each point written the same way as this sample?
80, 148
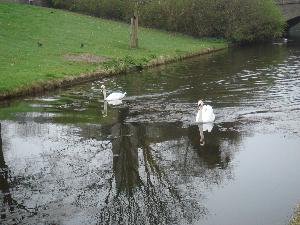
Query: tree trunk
134, 30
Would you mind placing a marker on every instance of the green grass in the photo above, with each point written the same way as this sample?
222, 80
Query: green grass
24, 63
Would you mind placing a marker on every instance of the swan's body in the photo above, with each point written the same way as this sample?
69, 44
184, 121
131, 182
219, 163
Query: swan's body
205, 113
113, 96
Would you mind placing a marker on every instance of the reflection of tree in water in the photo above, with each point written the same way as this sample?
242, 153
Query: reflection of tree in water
210, 161
133, 173
10, 208
125, 160
212, 152
141, 192
193, 163
4, 184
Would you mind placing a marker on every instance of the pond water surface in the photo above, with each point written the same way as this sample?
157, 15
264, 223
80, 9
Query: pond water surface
67, 157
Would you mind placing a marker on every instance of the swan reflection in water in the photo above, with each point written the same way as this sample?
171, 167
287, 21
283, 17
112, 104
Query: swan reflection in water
204, 127
114, 102
104, 111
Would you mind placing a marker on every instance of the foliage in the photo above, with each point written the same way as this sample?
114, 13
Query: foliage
236, 20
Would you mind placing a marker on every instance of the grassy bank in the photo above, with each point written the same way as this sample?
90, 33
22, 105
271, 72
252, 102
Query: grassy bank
42, 46
296, 219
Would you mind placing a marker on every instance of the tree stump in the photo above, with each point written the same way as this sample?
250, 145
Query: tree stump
134, 31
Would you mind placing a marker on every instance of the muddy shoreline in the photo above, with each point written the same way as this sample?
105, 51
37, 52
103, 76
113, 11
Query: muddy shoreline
43, 86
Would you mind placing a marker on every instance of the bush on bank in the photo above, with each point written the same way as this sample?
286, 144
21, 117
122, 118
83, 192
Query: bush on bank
235, 20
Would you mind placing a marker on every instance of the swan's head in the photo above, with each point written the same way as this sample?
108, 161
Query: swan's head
102, 87
200, 103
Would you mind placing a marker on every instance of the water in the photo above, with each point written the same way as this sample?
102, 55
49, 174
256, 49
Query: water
68, 158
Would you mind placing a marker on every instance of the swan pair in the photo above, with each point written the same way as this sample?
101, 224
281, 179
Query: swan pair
205, 113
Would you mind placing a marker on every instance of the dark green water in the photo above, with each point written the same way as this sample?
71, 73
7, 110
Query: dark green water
67, 158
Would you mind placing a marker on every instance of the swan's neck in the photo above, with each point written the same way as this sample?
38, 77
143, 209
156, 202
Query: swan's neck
104, 93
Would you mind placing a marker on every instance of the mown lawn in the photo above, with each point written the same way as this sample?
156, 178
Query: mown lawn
34, 42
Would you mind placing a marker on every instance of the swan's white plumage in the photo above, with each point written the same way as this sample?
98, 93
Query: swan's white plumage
205, 113
115, 96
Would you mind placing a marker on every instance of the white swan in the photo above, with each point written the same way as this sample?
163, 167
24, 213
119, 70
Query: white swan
113, 96
205, 113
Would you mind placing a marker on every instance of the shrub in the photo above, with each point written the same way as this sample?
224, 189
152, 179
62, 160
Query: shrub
235, 20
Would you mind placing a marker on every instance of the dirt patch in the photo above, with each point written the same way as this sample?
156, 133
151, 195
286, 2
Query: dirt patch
86, 57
